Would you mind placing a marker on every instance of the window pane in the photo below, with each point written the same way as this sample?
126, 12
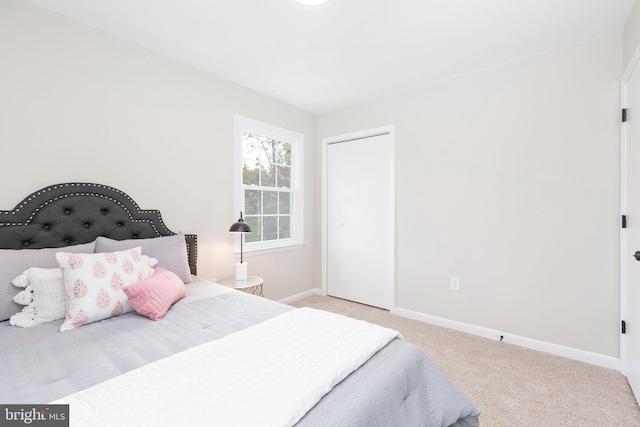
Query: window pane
253, 148
270, 202
268, 175
284, 202
284, 176
254, 223
252, 202
283, 153
270, 231
285, 227
250, 173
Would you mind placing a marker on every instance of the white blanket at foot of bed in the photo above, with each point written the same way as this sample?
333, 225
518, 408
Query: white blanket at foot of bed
270, 374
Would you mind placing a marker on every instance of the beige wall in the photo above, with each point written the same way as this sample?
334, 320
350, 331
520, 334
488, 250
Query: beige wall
77, 104
631, 35
509, 179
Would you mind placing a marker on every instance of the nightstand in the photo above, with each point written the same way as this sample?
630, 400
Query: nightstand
253, 285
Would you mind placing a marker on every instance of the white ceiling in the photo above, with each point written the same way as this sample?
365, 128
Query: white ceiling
347, 51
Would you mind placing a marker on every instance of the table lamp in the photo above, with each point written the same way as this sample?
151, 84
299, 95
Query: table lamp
241, 228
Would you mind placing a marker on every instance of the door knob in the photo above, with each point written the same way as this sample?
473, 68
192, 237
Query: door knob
637, 255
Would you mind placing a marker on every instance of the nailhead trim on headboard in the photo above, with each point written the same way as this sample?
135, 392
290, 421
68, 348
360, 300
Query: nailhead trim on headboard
34, 206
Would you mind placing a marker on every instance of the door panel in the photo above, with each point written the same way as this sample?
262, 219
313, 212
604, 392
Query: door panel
359, 221
631, 349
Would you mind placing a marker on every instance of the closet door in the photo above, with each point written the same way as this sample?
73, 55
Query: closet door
360, 207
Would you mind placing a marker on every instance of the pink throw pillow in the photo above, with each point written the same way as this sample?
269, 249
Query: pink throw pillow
154, 296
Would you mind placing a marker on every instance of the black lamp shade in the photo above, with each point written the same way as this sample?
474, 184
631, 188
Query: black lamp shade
240, 226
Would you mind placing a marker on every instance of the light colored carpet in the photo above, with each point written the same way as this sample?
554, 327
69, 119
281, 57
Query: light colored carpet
512, 386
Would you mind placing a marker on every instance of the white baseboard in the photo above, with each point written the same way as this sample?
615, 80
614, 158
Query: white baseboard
296, 297
559, 350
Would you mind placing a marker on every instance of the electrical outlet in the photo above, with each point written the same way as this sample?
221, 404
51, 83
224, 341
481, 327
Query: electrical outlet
455, 284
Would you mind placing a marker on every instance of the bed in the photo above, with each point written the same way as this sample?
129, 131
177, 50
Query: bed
215, 357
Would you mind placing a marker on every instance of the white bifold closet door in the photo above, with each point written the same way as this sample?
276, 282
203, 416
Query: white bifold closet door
360, 206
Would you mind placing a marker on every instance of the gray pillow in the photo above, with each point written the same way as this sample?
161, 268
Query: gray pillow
170, 251
15, 261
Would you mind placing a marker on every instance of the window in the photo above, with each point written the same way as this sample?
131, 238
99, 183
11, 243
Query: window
269, 184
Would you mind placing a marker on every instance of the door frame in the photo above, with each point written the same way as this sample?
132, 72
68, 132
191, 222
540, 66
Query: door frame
624, 264
384, 130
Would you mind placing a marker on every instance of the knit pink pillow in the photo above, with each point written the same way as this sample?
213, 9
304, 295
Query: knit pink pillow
154, 296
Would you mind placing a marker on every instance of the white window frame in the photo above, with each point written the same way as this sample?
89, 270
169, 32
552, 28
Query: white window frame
244, 124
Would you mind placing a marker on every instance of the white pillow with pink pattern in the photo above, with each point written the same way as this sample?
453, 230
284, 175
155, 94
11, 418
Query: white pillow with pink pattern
94, 282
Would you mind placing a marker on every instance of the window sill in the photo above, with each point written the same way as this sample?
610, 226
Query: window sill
266, 251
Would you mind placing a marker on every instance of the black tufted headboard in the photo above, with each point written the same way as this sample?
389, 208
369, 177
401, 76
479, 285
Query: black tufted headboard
74, 213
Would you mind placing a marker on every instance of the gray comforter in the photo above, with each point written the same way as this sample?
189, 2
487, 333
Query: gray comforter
398, 386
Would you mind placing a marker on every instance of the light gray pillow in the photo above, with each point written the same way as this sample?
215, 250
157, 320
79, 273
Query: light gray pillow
14, 262
170, 251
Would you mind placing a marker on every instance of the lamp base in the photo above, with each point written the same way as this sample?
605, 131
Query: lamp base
241, 271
